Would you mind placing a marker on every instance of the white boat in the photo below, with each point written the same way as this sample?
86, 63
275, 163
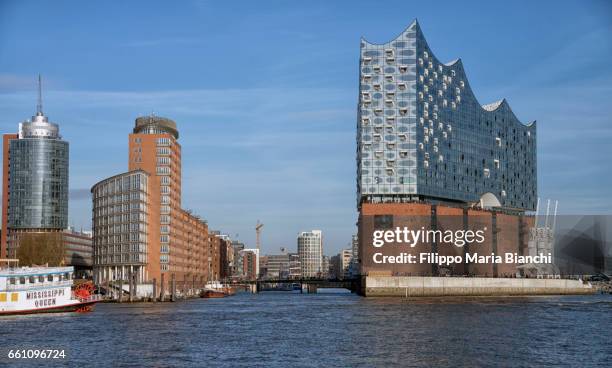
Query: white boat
25, 290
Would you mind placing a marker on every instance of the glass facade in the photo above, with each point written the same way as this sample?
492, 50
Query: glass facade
120, 226
38, 181
421, 133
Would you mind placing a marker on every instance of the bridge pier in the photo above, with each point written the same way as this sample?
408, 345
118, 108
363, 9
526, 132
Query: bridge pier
254, 288
311, 289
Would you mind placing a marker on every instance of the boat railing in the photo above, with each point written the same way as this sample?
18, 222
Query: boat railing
91, 298
46, 284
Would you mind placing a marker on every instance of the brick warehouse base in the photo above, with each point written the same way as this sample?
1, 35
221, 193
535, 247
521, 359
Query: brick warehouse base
503, 233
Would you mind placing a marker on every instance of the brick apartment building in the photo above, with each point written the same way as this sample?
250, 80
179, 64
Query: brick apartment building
139, 226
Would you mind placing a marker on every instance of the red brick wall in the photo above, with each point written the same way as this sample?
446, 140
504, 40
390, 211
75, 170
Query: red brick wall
507, 240
411, 215
450, 218
479, 220
5, 191
417, 215
189, 239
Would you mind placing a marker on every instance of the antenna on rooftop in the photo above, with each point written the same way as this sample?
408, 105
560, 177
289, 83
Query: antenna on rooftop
39, 111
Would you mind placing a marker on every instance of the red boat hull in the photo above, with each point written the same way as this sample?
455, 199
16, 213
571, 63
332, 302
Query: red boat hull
213, 294
63, 309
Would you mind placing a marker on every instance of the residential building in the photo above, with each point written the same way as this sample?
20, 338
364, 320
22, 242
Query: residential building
250, 263
237, 265
139, 225
226, 256
310, 251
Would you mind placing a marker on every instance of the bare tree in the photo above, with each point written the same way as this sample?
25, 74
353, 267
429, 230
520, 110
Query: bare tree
40, 249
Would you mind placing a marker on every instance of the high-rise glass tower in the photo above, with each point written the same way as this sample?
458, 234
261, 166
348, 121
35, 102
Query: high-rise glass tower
35, 180
422, 135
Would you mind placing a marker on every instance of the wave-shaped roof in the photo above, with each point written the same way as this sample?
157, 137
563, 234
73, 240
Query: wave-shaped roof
493, 105
456, 63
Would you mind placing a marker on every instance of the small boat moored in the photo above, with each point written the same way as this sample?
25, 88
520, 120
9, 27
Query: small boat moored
216, 290
210, 293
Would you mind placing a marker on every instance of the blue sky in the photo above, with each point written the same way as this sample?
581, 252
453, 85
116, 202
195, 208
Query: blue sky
265, 93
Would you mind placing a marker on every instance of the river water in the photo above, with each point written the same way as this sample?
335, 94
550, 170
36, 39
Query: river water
282, 329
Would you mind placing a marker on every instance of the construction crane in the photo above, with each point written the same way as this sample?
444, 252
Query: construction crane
258, 228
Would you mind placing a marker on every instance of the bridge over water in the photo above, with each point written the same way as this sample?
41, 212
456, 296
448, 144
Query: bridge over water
309, 285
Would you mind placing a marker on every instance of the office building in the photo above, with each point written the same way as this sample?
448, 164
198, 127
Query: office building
285, 265
325, 267
310, 251
263, 266
346, 256
291, 269
335, 267
34, 181
78, 246
274, 264
340, 264
123, 235
139, 226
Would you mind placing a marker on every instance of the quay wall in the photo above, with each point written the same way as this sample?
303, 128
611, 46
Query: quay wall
416, 286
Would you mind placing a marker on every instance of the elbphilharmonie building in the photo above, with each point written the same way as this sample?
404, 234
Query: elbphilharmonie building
423, 136
430, 156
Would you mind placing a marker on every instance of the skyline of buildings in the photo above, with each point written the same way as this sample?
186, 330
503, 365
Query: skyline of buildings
38, 138
124, 208
314, 104
412, 108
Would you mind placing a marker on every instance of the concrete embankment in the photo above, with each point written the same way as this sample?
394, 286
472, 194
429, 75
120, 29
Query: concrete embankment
414, 286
